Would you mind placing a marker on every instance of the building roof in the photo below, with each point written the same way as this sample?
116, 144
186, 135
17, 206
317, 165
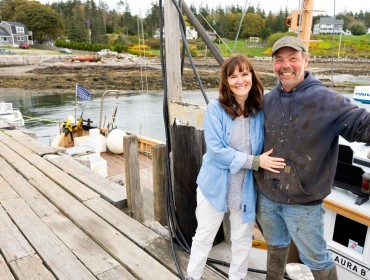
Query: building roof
13, 25
329, 20
4, 33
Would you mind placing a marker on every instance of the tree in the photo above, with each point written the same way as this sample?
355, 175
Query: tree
74, 18
45, 23
151, 22
253, 24
357, 27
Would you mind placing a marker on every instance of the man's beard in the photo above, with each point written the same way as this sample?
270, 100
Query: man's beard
292, 82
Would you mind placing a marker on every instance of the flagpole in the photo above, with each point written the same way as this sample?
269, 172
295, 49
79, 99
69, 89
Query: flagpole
76, 104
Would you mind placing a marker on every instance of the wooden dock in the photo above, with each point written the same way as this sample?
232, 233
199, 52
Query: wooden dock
59, 220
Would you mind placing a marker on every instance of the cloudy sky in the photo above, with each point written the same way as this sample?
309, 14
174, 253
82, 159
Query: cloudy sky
140, 6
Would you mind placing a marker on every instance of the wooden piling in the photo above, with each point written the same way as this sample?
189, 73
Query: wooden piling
132, 172
159, 183
188, 148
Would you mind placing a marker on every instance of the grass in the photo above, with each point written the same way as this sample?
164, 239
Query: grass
322, 45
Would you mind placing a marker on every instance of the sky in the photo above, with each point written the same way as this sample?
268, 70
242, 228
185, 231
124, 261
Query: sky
139, 7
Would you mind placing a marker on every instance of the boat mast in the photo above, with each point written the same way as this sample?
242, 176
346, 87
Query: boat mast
304, 28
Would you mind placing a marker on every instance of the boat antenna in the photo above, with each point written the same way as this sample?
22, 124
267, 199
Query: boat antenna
83, 109
76, 103
240, 25
332, 49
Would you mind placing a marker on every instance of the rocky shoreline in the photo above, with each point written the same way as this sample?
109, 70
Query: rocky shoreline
134, 75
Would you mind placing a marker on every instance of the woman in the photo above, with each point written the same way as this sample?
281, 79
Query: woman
233, 129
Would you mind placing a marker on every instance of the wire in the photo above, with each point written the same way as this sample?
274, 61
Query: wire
174, 228
168, 190
240, 25
185, 44
40, 119
332, 48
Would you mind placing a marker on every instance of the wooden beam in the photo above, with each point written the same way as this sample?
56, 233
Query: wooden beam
159, 183
132, 173
306, 24
172, 48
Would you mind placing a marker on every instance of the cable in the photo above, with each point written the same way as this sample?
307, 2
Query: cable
168, 189
185, 44
175, 232
240, 25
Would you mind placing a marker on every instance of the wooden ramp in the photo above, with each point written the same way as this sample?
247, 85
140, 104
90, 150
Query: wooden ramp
56, 222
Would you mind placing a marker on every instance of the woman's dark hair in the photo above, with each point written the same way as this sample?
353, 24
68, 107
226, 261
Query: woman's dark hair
226, 96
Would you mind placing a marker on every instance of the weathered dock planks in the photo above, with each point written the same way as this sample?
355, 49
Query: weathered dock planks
55, 223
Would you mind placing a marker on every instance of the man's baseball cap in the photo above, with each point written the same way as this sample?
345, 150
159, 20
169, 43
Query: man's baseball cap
290, 42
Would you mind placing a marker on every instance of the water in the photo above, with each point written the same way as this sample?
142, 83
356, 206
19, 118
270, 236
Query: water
139, 113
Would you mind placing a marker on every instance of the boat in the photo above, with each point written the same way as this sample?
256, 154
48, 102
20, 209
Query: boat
89, 58
362, 94
347, 208
10, 116
347, 212
98, 147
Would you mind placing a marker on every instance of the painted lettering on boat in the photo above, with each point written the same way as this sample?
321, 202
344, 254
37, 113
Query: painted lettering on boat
350, 265
362, 94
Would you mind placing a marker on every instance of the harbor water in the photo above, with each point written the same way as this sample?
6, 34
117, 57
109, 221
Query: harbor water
139, 113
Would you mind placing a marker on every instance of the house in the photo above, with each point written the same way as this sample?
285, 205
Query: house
326, 24
14, 33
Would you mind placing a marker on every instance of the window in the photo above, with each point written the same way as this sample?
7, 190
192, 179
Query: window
19, 29
349, 233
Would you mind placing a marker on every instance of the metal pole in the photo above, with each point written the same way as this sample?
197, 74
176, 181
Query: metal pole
202, 33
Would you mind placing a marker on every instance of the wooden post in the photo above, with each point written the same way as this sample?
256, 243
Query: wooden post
173, 57
306, 24
159, 183
189, 147
132, 174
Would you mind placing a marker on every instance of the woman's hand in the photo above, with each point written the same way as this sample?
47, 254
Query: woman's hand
271, 163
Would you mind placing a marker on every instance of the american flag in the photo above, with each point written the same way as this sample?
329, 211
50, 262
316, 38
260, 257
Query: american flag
82, 93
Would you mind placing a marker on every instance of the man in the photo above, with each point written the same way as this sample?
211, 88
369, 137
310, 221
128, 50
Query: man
303, 121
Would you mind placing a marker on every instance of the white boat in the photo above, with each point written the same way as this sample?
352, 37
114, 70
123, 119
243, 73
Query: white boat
11, 116
96, 146
347, 212
362, 94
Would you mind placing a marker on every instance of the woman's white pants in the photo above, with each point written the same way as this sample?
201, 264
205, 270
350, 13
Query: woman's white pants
209, 221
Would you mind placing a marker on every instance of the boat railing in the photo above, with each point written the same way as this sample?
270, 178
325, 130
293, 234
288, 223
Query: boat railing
102, 107
145, 145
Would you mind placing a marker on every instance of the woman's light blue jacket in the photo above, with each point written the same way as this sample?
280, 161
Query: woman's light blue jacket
220, 160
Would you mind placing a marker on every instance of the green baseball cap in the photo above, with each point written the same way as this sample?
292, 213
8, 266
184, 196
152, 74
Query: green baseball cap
290, 42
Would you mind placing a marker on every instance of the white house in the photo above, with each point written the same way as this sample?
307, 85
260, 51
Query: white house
14, 33
328, 25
